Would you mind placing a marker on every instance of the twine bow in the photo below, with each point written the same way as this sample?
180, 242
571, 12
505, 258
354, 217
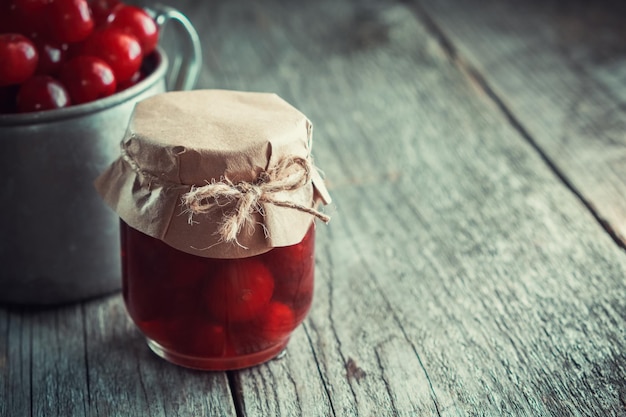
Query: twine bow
289, 174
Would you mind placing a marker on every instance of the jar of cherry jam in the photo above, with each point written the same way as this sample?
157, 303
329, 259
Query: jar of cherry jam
217, 196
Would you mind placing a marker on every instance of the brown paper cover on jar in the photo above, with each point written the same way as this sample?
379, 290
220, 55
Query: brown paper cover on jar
180, 141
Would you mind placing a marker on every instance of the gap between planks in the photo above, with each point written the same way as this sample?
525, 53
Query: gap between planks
235, 392
478, 80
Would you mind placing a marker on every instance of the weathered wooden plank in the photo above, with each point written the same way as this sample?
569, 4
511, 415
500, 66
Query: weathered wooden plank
289, 385
42, 368
90, 361
58, 377
127, 379
260, 48
368, 360
15, 369
500, 333
558, 68
4, 362
459, 276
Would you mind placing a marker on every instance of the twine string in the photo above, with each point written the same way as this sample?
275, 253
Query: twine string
289, 174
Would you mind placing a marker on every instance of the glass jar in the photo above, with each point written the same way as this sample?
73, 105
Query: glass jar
217, 195
216, 314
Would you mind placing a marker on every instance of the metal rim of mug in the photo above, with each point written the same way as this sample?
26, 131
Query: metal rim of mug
94, 106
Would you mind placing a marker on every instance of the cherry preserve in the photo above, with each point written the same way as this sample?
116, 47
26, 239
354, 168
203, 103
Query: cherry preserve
216, 314
218, 198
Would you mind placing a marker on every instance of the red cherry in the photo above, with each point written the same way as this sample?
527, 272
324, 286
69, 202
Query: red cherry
137, 22
51, 56
209, 340
289, 262
41, 93
277, 322
87, 78
171, 333
69, 20
270, 327
120, 50
18, 58
239, 290
138, 76
293, 270
101, 9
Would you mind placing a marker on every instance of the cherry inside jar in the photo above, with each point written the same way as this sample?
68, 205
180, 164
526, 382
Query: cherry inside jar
216, 314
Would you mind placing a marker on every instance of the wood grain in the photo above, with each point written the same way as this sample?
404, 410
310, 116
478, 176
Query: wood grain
125, 378
16, 365
58, 377
460, 276
89, 360
558, 69
287, 386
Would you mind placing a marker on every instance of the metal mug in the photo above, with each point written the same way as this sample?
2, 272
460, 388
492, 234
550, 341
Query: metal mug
58, 241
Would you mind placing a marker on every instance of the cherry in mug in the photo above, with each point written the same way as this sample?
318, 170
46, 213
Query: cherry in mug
57, 53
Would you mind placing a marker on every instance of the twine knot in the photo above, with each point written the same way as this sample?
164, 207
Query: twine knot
289, 174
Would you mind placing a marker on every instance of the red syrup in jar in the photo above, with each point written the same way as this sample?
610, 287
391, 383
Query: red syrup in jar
216, 314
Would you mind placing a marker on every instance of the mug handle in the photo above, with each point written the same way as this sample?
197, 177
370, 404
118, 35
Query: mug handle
184, 68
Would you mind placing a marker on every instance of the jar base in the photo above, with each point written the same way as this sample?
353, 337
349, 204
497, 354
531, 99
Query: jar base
218, 364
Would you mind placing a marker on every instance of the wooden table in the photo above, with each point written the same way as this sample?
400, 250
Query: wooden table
474, 265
